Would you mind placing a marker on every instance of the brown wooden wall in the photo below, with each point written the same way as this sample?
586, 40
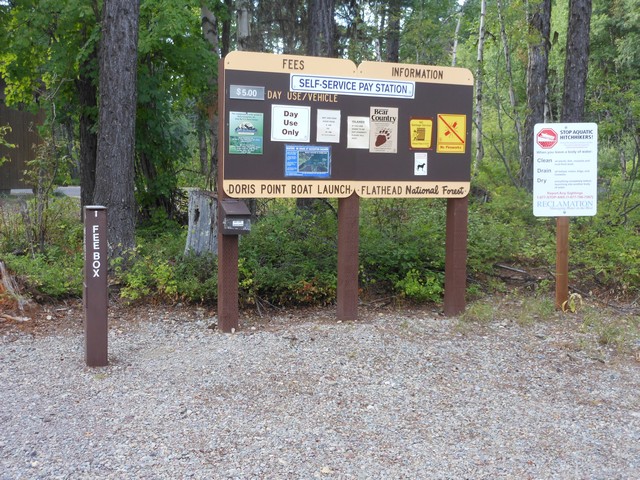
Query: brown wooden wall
24, 137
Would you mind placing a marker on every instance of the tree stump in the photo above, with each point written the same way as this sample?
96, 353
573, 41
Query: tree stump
202, 236
9, 294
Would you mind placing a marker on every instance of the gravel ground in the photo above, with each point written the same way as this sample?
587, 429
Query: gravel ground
395, 395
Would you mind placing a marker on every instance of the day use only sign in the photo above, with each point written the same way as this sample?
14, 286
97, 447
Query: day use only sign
565, 169
318, 127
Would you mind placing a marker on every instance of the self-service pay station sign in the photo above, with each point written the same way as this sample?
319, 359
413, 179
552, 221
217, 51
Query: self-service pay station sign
316, 127
320, 127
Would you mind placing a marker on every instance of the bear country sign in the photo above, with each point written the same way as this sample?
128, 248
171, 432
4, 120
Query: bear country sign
318, 127
565, 169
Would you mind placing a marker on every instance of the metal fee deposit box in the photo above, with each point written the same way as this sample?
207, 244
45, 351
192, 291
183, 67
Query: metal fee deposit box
236, 217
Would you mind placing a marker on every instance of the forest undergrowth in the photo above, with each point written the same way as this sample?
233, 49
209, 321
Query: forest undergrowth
288, 261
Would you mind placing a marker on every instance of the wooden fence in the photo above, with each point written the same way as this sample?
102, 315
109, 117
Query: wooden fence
24, 136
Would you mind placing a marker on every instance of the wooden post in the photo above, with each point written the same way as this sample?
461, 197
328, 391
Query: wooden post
455, 263
228, 311
348, 259
95, 294
562, 261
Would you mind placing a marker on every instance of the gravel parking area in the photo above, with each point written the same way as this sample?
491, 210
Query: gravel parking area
396, 395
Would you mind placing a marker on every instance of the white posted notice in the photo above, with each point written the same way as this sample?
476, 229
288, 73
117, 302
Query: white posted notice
565, 169
328, 126
358, 132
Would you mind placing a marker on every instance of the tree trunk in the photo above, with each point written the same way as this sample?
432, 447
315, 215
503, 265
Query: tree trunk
209, 27
10, 296
393, 35
454, 51
321, 28
539, 20
116, 132
203, 145
202, 236
210, 32
226, 28
320, 44
479, 86
88, 100
243, 19
512, 93
577, 61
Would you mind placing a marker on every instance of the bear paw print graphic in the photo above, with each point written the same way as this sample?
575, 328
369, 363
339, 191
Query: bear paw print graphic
383, 137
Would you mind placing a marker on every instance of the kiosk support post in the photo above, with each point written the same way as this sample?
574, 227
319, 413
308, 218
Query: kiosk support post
228, 309
348, 243
455, 264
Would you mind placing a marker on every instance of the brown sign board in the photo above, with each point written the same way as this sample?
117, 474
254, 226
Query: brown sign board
318, 127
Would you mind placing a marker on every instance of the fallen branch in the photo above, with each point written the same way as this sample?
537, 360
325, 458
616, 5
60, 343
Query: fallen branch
14, 319
512, 269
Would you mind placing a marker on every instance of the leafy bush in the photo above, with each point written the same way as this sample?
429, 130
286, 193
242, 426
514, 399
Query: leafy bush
55, 272
186, 278
158, 269
60, 224
402, 246
53, 275
290, 257
422, 286
504, 229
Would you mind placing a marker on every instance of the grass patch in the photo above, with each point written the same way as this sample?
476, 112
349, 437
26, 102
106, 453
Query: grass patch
516, 307
534, 309
612, 330
479, 313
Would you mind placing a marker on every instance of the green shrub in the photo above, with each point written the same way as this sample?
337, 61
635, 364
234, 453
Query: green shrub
402, 245
61, 225
158, 269
57, 271
196, 278
53, 275
422, 286
186, 278
290, 257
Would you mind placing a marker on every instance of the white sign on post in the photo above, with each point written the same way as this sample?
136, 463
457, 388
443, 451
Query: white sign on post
565, 169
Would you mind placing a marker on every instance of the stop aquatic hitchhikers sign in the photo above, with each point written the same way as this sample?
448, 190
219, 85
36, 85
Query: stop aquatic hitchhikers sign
565, 169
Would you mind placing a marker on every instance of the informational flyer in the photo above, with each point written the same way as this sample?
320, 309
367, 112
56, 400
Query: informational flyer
328, 126
383, 133
565, 169
246, 133
313, 161
358, 132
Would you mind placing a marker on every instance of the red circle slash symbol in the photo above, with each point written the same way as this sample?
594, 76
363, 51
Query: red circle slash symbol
547, 138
